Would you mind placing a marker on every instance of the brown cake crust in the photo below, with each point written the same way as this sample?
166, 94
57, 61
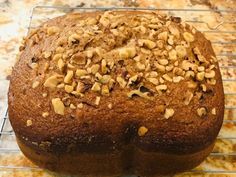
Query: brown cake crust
109, 129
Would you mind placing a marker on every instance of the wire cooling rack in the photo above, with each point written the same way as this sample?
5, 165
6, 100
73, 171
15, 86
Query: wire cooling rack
219, 26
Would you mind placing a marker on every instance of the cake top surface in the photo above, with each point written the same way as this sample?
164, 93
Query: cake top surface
111, 65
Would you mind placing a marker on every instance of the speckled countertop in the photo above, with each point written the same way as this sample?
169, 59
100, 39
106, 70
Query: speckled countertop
14, 22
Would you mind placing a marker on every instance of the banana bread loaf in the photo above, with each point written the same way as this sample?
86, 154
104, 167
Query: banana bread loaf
116, 92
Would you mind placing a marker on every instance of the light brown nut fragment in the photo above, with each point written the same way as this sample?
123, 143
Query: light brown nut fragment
132, 79
105, 79
160, 44
188, 37
81, 72
139, 93
189, 74
57, 57
69, 88
121, 81
97, 100
68, 76
142, 131
161, 87
192, 84
188, 97
147, 43
103, 66
153, 74
200, 76
204, 88
169, 68
169, 112
172, 54
51, 82
159, 67
96, 87
167, 77
201, 68
105, 90
89, 53
45, 114
60, 49
163, 62
127, 52
72, 106
73, 38
62, 85
177, 79
52, 30
80, 105
140, 66
181, 51
211, 81
29, 123
47, 54
35, 84
60, 64
210, 74
213, 111
153, 81
45, 95
163, 36
109, 106
174, 30
95, 68
58, 106
201, 111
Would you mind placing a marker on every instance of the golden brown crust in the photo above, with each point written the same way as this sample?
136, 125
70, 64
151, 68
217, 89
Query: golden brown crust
178, 121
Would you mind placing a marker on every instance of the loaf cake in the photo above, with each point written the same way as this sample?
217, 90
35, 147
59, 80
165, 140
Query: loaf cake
116, 92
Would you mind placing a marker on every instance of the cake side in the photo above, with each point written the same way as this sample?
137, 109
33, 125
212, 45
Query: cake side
97, 82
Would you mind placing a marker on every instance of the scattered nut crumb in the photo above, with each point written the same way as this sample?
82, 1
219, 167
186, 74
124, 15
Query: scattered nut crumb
201, 111
58, 106
45, 114
35, 84
169, 112
110, 106
80, 105
72, 106
97, 101
142, 131
29, 123
213, 111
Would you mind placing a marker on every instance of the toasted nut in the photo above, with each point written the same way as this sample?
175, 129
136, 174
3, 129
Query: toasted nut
57, 56
105, 90
29, 123
81, 72
109, 106
153, 74
161, 87
177, 79
62, 85
154, 26
159, 67
61, 64
51, 82
163, 36
73, 38
177, 71
132, 79
188, 97
79, 58
201, 111
89, 53
210, 74
142, 131
68, 76
80, 105
105, 79
147, 43
170, 41
47, 54
72, 106
139, 93
60, 50
104, 21
97, 101
58, 106
189, 74
127, 52
103, 66
176, 63
96, 87
204, 88
163, 62
172, 55
173, 30
45, 114
146, 51
161, 80
121, 81
153, 81
200, 76
35, 84
140, 66
181, 51
169, 112
111, 83
160, 44
94, 68
52, 30
213, 111
188, 37
69, 88
211, 81
167, 77
169, 68
80, 88
45, 95
201, 68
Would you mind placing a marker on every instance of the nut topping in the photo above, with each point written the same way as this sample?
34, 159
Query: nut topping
213, 111
58, 106
35, 84
29, 123
51, 82
121, 81
163, 36
169, 112
68, 76
188, 37
147, 43
201, 111
142, 131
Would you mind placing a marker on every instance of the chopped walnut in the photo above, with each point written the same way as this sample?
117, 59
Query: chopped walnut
73, 38
58, 106
45, 95
188, 37
173, 55
213, 111
210, 74
109, 106
204, 88
201, 111
29, 123
211, 81
94, 68
147, 43
153, 81
167, 77
188, 97
127, 52
35, 84
177, 79
159, 67
61, 64
142, 131
163, 35
140, 66
72, 106
121, 81
161, 87
68, 76
57, 56
105, 79
174, 30
105, 90
81, 72
45, 114
97, 100
47, 54
60, 86
51, 82
96, 87
200, 76
80, 105
132, 79
163, 62
139, 93
69, 88
181, 51
169, 112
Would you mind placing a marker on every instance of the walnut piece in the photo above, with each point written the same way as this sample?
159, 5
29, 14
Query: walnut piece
51, 82
188, 37
169, 112
127, 52
147, 43
96, 87
121, 81
58, 106
213, 111
201, 111
142, 131
68, 76
35, 84
29, 123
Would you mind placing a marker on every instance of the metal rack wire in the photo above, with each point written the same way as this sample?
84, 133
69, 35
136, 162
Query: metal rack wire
225, 51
